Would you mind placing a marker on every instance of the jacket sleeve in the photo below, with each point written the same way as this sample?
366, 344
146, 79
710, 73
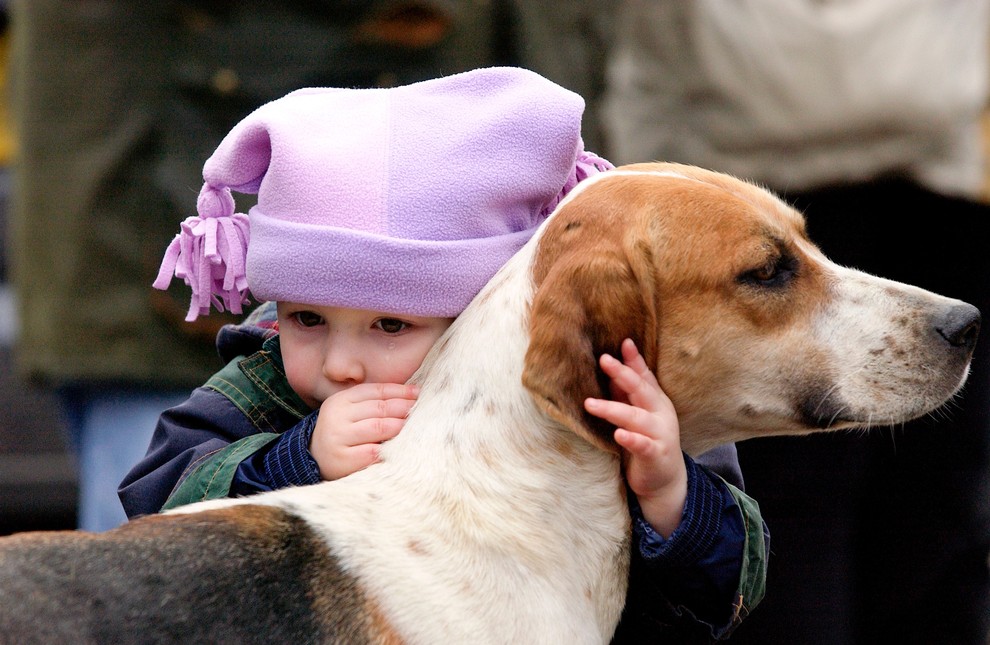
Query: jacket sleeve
186, 435
204, 449
697, 585
257, 463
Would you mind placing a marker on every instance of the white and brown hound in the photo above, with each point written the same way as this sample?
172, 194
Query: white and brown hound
454, 537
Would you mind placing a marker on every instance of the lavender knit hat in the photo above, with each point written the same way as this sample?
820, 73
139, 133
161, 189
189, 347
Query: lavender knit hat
405, 200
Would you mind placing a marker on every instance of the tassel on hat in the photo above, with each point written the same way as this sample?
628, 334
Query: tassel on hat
586, 165
209, 254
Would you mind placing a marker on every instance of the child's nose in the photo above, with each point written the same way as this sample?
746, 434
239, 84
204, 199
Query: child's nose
343, 365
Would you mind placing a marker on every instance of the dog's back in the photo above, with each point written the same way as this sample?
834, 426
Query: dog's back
210, 577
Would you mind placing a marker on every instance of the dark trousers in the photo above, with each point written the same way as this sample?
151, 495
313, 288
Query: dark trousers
885, 536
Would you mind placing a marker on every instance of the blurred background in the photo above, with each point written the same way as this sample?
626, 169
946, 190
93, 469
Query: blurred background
869, 115
38, 487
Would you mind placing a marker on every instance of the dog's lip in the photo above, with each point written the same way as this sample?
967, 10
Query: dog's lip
841, 421
825, 415
831, 423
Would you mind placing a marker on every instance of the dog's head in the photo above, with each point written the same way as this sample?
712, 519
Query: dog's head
750, 330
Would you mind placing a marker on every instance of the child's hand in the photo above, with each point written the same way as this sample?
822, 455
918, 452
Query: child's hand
649, 434
353, 423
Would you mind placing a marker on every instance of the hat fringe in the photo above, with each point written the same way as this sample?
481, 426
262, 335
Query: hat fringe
586, 165
209, 254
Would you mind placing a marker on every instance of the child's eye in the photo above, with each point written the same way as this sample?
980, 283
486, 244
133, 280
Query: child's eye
391, 325
308, 318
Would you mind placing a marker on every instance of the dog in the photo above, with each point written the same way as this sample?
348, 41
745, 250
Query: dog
453, 536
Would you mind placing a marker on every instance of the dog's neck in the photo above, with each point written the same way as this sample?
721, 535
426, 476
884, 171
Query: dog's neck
474, 411
477, 445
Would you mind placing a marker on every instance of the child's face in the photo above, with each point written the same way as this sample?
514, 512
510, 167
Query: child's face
329, 349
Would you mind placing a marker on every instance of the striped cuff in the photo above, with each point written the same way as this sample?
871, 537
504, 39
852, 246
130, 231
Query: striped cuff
699, 526
289, 462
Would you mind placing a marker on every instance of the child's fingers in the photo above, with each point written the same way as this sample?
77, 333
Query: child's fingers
348, 433
633, 442
358, 458
340, 450
634, 360
639, 389
621, 415
373, 431
380, 391
378, 409
356, 446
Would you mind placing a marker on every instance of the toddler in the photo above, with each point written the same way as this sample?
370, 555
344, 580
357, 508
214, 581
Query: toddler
380, 215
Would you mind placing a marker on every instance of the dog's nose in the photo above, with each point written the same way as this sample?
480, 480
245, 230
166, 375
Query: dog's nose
960, 326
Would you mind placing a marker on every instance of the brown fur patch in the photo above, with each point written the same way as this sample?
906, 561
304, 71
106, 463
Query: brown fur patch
651, 258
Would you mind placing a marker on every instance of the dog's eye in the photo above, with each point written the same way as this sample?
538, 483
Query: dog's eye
774, 273
765, 273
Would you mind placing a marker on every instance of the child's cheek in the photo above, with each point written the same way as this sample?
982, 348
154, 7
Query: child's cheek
302, 371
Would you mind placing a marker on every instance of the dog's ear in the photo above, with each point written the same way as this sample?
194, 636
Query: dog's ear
594, 289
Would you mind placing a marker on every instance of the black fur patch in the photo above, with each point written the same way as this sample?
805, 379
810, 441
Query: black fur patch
252, 574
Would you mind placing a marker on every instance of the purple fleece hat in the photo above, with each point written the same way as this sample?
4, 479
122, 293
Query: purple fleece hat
405, 200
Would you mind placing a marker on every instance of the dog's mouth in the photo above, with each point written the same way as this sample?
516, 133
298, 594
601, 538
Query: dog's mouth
888, 406
819, 404
825, 414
